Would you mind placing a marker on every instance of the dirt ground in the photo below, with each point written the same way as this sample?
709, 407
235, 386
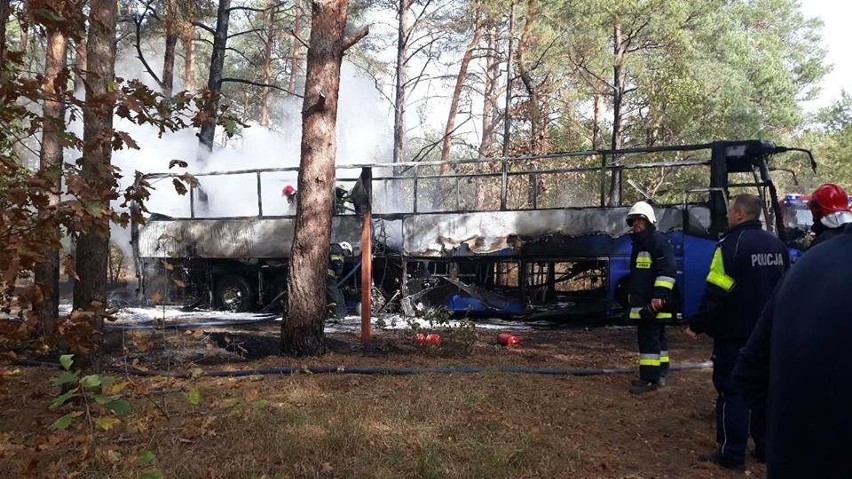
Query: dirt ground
490, 423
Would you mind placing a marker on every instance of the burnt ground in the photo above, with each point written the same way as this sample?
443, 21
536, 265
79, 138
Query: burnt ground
488, 424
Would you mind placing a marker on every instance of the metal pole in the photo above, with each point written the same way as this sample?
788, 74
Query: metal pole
259, 197
366, 257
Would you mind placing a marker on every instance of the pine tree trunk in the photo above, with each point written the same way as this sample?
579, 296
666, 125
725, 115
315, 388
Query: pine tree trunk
93, 244
80, 62
171, 43
4, 16
302, 329
214, 82
617, 103
296, 51
267, 62
189, 63
461, 79
50, 162
401, 79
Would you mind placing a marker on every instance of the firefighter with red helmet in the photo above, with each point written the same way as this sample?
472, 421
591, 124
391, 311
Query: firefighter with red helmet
652, 280
829, 205
290, 193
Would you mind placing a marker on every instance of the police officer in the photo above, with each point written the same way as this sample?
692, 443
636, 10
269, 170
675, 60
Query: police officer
747, 264
652, 279
797, 361
829, 205
338, 254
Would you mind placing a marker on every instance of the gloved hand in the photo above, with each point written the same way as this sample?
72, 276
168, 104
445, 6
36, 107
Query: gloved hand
648, 313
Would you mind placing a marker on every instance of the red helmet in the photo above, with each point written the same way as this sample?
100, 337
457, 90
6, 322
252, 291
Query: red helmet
828, 198
288, 191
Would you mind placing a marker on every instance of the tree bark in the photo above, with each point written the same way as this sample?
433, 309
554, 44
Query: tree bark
4, 17
189, 63
96, 172
171, 42
302, 329
80, 64
401, 79
214, 81
50, 163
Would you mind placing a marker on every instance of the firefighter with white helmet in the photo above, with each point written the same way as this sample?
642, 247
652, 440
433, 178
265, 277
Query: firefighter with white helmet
652, 280
337, 257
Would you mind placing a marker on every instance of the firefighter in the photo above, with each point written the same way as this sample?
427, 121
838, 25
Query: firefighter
829, 205
290, 193
797, 362
652, 280
338, 254
747, 264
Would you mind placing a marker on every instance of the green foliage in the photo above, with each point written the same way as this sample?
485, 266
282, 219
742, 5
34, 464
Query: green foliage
87, 392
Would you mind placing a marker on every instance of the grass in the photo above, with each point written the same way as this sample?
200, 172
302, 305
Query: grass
345, 426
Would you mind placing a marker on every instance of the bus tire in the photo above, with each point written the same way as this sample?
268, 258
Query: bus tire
233, 293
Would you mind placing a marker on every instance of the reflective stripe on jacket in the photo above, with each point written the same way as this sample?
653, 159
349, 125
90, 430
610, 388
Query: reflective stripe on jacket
746, 265
335, 261
652, 272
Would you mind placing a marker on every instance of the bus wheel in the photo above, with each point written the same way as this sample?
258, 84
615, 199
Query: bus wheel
233, 293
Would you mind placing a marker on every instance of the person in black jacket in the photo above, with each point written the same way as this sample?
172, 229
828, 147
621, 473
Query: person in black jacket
747, 264
336, 260
652, 279
797, 361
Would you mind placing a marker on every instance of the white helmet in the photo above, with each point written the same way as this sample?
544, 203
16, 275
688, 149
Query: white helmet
640, 208
346, 247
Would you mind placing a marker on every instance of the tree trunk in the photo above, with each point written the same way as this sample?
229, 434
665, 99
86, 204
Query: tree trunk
267, 62
97, 175
618, 50
188, 63
597, 113
50, 163
171, 43
461, 78
489, 98
302, 329
4, 16
401, 79
534, 103
80, 64
214, 82
296, 51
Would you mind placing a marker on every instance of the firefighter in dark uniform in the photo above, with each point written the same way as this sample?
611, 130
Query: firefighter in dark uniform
652, 279
746, 266
336, 260
829, 205
797, 362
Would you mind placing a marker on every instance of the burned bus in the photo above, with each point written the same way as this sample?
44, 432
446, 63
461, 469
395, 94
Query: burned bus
525, 237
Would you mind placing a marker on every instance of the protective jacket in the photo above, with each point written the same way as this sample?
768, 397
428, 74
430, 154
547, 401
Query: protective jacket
746, 265
652, 274
824, 233
797, 361
335, 261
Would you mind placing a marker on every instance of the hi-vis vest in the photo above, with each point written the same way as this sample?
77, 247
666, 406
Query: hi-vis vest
652, 272
746, 265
